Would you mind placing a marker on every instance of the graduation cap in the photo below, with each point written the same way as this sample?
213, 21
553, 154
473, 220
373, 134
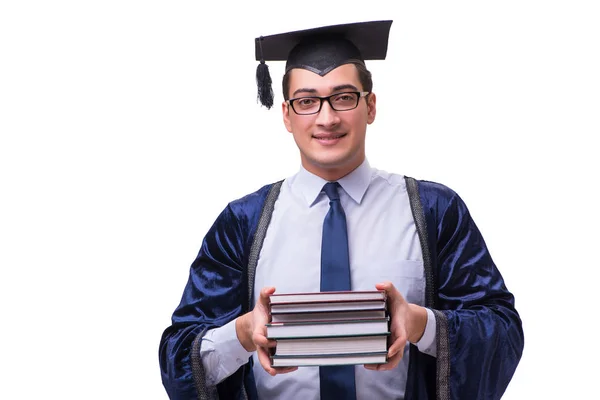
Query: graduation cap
320, 50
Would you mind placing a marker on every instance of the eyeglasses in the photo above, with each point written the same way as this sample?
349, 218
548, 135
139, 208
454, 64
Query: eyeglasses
344, 101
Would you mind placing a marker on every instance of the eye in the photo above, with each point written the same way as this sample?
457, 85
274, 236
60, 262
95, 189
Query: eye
306, 101
345, 98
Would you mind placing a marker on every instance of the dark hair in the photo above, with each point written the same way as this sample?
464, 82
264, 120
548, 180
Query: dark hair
364, 76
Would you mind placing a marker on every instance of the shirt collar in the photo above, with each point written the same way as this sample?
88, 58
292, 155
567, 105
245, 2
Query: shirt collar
355, 183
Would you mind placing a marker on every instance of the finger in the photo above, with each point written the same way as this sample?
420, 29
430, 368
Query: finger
285, 370
264, 301
260, 340
395, 354
266, 292
372, 367
392, 362
397, 347
265, 361
389, 288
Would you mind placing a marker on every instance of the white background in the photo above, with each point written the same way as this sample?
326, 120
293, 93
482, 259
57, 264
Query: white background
126, 127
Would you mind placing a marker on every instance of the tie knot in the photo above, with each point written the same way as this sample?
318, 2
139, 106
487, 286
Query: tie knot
331, 190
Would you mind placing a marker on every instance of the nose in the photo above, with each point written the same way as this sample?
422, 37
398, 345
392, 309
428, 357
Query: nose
327, 117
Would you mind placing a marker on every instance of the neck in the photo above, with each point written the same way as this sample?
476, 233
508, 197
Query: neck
331, 173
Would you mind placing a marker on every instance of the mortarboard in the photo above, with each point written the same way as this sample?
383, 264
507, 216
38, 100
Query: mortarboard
320, 50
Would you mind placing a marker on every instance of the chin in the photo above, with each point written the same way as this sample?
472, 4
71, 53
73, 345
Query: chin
332, 159
331, 162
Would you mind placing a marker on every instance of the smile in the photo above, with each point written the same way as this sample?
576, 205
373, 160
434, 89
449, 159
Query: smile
334, 137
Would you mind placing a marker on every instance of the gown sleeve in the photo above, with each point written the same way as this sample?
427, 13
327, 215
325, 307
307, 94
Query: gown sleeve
479, 332
213, 296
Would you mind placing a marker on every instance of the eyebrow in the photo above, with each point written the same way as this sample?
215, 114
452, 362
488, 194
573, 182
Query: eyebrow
345, 86
304, 90
335, 89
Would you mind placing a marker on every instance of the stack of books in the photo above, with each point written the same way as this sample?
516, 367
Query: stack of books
329, 328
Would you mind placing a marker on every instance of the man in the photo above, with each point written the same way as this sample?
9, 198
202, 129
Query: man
339, 224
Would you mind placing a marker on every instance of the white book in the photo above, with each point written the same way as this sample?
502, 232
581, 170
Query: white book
346, 359
371, 295
326, 316
276, 330
327, 306
334, 345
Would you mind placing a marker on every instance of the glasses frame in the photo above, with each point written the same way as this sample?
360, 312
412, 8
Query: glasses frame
328, 99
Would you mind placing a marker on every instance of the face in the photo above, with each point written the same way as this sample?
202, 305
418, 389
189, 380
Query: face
331, 143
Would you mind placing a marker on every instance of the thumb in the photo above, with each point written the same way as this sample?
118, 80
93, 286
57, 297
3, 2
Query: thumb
394, 297
265, 293
389, 288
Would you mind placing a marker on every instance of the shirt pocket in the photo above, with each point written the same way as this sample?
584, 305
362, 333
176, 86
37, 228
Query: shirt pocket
408, 276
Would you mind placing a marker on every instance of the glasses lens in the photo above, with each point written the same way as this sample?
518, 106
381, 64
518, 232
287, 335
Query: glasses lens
344, 101
306, 105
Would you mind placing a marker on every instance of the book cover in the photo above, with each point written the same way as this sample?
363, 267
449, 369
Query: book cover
319, 360
278, 316
276, 330
332, 345
327, 306
371, 295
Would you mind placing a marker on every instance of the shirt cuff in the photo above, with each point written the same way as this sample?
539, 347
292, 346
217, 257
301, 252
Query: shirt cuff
222, 353
427, 344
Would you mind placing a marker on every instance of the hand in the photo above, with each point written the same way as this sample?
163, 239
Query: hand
407, 324
252, 332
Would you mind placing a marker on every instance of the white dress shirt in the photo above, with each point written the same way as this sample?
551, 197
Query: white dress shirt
383, 246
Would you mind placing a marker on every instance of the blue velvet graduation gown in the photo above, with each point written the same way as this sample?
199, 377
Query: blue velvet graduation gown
479, 334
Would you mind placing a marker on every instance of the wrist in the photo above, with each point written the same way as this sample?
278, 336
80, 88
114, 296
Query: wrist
243, 329
418, 322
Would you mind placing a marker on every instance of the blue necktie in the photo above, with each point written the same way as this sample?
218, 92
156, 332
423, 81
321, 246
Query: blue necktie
337, 382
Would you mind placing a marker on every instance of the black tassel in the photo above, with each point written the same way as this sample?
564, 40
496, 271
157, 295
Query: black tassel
263, 81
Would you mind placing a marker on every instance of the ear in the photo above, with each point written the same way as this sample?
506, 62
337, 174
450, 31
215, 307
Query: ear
285, 110
371, 108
